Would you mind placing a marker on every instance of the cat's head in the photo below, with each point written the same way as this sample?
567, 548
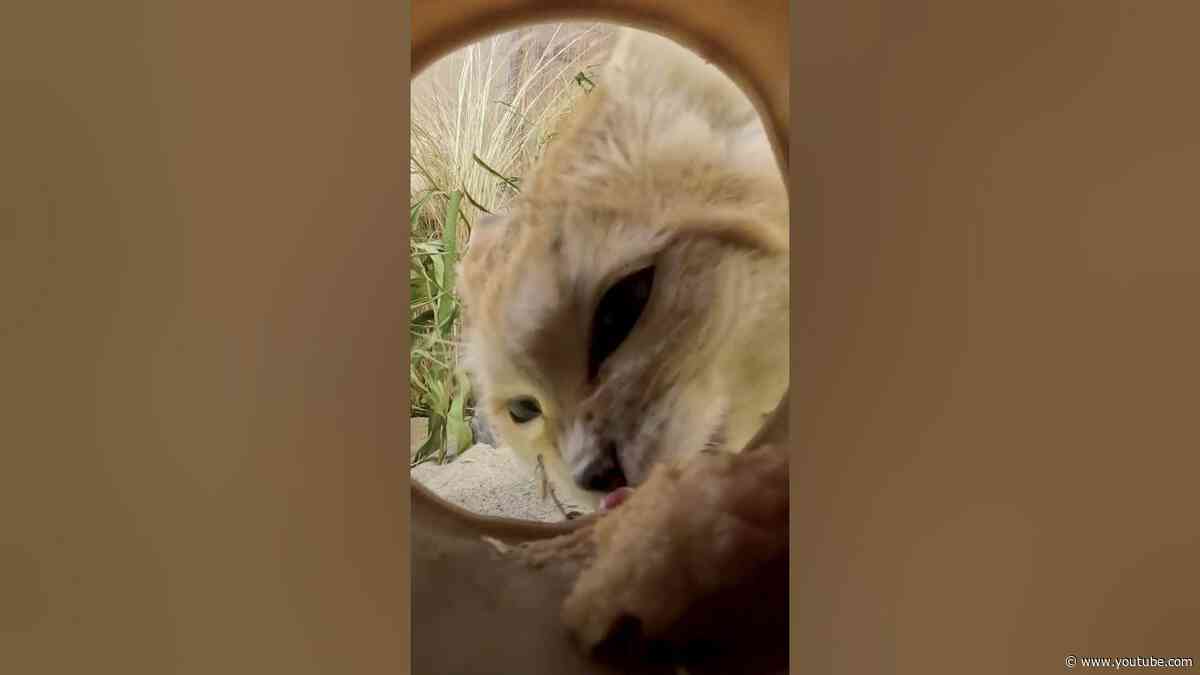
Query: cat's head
607, 311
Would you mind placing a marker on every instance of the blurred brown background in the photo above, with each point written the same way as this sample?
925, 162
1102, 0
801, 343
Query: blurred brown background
996, 234
202, 369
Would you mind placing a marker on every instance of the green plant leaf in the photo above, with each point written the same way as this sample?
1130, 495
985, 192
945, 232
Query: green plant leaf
424, 320
441, 400
447, 302
467, 394
446, 328
458, 432
434, 438
439, 273
428, 247
414, 212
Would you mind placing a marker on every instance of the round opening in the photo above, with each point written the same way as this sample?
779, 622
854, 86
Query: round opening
591, 209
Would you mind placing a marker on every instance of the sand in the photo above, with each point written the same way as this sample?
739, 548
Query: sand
487, 480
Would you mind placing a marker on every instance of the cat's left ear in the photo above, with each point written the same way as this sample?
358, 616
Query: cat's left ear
486, 231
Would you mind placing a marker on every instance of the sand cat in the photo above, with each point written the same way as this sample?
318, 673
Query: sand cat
632, 306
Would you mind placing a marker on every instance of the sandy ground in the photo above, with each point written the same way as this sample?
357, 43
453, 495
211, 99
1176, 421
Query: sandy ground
487, 480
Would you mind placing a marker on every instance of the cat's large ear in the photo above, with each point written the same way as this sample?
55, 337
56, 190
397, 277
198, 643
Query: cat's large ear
489, 234
487, 230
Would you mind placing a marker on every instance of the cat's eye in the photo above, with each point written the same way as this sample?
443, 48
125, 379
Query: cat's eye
523, 409
616, 315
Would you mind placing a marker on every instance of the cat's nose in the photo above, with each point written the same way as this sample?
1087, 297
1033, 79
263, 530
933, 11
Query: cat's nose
603, 473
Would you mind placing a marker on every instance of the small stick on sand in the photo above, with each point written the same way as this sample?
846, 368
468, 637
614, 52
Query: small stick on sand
548, 488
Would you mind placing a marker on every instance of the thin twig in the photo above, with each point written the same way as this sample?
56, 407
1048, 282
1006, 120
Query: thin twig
427, 458
542, 474
547, 488
510, 180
